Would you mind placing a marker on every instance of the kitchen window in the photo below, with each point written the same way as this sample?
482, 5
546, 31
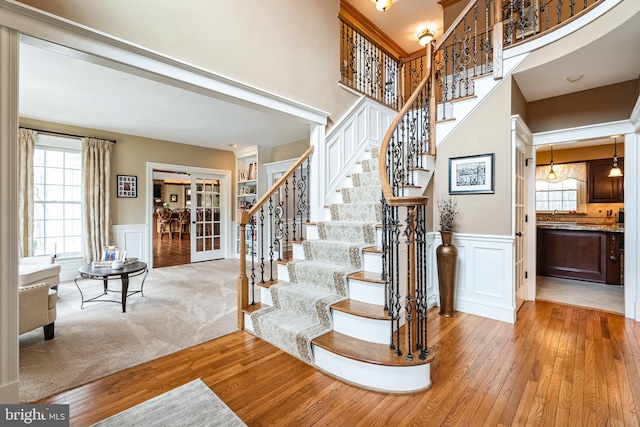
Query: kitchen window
567, 193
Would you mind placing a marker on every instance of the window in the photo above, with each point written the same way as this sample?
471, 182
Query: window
57, 196
562, 195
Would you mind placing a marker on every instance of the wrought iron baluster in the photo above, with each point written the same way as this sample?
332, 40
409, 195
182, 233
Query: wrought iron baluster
286, 219
271, 238
252, 230
559, 7
409, 309
295, 203
262, 231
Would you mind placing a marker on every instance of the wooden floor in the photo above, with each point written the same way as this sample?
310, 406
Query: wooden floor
558, 365
168, 252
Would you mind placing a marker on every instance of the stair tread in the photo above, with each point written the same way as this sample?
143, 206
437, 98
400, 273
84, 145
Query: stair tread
372, 249
267, 284
367, 276
361, 309
377, 354
255, 307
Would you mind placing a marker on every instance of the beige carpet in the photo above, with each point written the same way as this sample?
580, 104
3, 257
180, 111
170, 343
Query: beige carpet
182, 306
578, 292
190, 405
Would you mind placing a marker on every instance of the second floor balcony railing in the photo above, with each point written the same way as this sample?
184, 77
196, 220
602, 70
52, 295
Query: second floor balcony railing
467, 50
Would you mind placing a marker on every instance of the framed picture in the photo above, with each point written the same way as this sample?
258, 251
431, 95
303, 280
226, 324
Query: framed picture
110, 253
471, 174
127, 186
174, 198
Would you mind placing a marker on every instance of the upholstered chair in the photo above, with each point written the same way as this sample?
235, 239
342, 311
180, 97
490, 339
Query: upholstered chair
37, 307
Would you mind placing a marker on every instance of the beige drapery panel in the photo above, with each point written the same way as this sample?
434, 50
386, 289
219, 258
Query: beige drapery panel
26, 144
96, 173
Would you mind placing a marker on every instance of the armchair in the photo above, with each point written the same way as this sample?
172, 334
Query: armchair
37, 307
36, 269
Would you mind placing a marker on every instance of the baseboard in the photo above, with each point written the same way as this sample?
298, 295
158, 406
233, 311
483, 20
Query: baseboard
10, 393
489, 311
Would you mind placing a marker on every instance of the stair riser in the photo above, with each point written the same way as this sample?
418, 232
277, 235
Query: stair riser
371, 330
371, 293
265, 296
387, 378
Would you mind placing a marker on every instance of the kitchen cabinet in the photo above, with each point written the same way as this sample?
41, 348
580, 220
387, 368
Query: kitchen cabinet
579, 254
601, 188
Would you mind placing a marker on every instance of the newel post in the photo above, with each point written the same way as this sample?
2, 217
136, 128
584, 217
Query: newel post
243, 280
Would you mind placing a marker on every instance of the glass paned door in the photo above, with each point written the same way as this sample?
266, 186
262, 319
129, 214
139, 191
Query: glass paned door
206, 237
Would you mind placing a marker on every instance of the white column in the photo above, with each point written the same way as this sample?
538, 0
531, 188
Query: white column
318, 176
631, 231
9, 52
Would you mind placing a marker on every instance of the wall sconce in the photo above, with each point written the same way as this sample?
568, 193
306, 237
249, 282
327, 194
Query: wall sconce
383, 5
552, 175
615, 170
425, 37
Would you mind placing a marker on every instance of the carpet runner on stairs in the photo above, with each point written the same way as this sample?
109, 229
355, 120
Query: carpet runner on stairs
301, 308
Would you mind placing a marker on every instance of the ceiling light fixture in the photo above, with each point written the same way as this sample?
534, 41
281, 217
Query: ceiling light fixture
575, 78
615, 170
425, 37
383, 5
552, 175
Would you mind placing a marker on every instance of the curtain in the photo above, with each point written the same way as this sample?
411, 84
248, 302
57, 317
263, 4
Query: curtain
26, 144
96, 173
564, 171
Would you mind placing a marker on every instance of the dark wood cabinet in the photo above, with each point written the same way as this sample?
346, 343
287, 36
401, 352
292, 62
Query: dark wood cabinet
585, 255
601, 188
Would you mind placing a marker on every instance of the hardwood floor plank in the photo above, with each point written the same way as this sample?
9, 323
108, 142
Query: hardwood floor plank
540, 371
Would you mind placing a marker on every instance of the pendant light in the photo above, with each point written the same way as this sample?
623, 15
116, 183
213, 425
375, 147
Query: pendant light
552, 175
615, 170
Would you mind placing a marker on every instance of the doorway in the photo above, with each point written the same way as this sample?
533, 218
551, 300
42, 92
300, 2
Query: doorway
189, 211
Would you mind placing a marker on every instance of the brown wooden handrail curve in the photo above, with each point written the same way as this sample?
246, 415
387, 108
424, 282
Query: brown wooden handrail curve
382, 158
255, 208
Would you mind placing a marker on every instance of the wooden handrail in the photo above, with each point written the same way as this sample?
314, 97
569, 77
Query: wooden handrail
242, 219
382, 156
254, 209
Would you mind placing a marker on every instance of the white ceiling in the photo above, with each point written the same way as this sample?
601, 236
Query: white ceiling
63, 89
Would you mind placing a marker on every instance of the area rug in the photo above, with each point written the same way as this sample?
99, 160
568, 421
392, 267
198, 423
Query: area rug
182, 306
193, 404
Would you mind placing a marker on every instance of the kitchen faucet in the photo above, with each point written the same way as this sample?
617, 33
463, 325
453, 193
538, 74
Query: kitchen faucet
553, 216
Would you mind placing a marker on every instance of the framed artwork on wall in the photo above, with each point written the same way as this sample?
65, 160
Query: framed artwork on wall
127, 186
174, 198
471, 174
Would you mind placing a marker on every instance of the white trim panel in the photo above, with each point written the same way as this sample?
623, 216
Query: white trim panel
484, 275
133, 238
384, 378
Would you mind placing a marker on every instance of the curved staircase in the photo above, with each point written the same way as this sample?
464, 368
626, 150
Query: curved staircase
327, 306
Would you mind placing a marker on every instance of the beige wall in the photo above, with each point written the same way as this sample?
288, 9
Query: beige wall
600, 105
518, 102
273, 45
579, 154
289, 151
484, 131
130, 157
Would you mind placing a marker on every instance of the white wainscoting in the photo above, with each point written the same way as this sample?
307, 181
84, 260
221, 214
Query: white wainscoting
133, 238
484, 275
362, 127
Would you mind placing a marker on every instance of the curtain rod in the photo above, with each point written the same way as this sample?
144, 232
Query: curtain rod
50, 132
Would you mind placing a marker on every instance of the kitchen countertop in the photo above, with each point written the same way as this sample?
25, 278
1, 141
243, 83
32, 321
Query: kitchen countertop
559, 225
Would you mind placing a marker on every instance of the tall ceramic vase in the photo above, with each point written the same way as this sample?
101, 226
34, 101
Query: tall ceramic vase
446, 255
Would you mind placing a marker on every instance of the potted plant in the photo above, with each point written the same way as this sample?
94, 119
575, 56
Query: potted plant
447, 255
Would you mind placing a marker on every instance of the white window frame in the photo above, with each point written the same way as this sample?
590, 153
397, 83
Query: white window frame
61, 144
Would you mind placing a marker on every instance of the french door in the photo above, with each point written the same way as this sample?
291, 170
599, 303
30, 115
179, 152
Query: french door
207, 240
